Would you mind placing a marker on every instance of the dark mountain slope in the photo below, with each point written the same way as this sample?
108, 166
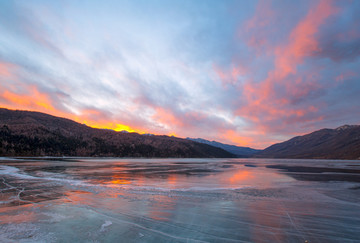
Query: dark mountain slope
340, 143
26, 133
237, 150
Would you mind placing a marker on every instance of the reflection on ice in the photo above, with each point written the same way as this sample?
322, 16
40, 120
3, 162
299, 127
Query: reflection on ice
238, 200
179, 176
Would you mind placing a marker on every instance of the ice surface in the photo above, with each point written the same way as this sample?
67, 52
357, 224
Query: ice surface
179, 200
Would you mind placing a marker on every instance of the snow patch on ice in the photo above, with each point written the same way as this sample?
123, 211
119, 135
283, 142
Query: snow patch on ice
24, 232
104, 225
15, 172
54, 217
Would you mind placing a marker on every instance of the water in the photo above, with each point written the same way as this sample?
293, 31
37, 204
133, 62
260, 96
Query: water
179, 200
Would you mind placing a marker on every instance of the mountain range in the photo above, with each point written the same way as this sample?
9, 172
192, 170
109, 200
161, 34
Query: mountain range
340, 143
28, 133
236, 150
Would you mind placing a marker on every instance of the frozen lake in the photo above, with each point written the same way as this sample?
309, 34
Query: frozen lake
179, 200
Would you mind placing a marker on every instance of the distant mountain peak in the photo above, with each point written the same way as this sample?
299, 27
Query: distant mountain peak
339, 143
237, 150
344, 127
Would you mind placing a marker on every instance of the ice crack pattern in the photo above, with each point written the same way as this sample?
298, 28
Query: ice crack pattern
178, 200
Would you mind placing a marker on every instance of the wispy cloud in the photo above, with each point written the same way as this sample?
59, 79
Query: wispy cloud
249, 73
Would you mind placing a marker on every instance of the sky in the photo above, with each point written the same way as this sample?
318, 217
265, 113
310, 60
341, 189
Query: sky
249, 73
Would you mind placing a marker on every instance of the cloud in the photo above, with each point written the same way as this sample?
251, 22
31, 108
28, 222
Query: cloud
249, 73
280, 98
340, 40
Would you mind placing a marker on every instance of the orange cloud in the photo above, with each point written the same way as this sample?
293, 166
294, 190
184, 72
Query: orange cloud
15, 94
28, 98
255, 138
234, 138
166, 117
34, 100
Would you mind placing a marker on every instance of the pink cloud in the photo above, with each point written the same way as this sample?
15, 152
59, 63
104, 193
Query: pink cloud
5, 70
272, 100
259, 26
166, 117
344, 76
230, 76
302, 41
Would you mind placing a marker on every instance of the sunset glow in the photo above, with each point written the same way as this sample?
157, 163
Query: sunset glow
249, 73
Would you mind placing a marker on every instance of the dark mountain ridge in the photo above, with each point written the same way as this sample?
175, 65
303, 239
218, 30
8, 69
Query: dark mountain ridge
28, 133
241, 152
340, 143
